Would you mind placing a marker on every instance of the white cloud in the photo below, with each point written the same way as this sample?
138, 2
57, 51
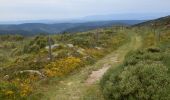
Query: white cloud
57, 9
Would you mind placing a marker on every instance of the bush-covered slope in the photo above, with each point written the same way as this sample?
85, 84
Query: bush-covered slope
145, 73
24, 61
143, 76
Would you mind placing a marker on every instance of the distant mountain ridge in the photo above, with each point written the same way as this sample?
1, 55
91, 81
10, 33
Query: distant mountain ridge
160, 22
127, 16
90, 18
35, 28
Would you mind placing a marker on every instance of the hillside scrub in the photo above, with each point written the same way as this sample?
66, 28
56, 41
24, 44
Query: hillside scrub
72, 51
145, 73
142, 76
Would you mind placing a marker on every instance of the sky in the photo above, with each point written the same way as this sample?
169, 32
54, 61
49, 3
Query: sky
71, 9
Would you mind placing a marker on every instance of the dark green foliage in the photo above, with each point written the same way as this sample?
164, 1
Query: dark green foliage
148, 54
152, 49
36, 44
41, 41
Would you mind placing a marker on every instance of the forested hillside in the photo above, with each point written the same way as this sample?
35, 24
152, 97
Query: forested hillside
28, 29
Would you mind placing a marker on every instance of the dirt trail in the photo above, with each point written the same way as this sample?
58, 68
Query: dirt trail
97, 75
75, 86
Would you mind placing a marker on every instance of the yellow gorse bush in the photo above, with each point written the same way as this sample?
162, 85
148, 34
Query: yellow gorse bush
17, 88
62, 66
9, 93
26, 89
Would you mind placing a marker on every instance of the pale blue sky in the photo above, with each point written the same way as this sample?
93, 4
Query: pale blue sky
65, 9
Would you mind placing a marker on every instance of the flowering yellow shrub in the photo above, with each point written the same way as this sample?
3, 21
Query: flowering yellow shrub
62, 66
17, 88
26, 89
50, 72
24, 86
9, 93
14, 90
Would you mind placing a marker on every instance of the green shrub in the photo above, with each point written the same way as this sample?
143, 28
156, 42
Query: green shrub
153, 49
151, 54
141, 77
11, 38
140, 82
36, 44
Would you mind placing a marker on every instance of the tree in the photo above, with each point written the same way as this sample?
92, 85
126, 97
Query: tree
50, 51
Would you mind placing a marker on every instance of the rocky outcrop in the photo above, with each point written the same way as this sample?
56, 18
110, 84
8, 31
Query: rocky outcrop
53, 46
41, 75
